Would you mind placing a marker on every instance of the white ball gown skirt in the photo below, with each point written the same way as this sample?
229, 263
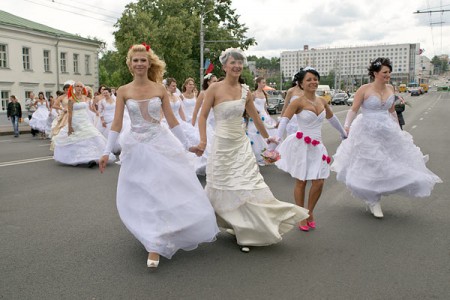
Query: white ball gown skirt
159, 197
379, 159
39, 119
84, 145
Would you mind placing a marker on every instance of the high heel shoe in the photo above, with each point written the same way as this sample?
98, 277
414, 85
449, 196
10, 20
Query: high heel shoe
152, 263
311, 224
376, 211
244, 249
303, 227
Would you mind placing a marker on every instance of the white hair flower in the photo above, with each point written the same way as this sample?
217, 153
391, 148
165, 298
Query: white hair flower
235, 52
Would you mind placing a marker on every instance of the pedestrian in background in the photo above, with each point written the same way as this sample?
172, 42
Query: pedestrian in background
30, 105
14, 113
400, 104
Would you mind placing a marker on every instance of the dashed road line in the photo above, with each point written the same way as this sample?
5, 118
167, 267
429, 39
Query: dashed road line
25, 161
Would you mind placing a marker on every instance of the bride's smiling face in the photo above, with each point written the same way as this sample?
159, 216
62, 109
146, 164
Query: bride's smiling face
383, 75
233, 66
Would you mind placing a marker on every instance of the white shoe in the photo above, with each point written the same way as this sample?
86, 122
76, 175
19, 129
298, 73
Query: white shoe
230, 231
244, 249
376, 211
152, 263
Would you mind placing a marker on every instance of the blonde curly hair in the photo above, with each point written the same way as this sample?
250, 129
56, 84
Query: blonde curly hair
157, 66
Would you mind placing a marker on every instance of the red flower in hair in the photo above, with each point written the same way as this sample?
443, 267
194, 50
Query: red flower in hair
147, 47
307, 140
299, 134
315, 142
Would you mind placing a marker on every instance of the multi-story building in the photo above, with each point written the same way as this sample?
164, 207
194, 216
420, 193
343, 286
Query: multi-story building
350, 64
35, 57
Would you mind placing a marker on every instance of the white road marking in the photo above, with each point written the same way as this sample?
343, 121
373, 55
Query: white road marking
44, 145
421, 119
25, 161
5, 141
414, 126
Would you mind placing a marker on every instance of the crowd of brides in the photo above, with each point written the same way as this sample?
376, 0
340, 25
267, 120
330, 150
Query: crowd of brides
165, 138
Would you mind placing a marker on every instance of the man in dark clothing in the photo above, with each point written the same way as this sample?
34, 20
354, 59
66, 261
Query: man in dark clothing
14, 113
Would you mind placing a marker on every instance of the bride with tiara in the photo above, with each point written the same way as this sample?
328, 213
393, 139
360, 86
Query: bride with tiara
243, 202
378, 158
159, 197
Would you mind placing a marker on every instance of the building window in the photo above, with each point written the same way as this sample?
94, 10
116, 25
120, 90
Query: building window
87, 64
46, 61
63, 62
5, 99
26, 58
75, 64
3, 56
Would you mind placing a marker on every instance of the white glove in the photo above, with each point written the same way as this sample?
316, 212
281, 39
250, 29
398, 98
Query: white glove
271, 146
112, 138
282, 126
349, 119
179, 134
334, 121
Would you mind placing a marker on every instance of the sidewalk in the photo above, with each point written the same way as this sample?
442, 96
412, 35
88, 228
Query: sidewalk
6, 127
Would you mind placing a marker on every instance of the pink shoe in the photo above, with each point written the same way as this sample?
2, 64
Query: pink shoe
303, 227
312, 224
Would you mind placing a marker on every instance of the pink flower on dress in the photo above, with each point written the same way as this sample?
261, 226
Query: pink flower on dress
299, 134
315, 142
328, 159
307, 140
324, 157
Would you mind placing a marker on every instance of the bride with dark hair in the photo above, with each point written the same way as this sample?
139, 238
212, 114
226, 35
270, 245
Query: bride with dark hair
378, 158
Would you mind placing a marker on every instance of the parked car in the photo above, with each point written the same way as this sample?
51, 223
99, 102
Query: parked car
350, 100
339, 98
275, 105
415, 92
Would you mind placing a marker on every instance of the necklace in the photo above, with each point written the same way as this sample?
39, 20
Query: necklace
75, 98
314, 103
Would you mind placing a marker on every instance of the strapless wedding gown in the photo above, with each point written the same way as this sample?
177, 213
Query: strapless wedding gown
379, 159
303, 155
159, 197
236, 189
84, 145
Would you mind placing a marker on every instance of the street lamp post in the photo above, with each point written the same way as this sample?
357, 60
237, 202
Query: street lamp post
202, 45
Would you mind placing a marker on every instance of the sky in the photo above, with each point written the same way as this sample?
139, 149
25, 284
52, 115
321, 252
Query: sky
277, 25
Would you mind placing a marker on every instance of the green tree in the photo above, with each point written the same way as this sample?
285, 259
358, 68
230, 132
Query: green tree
109, 73
171, 27
440, 65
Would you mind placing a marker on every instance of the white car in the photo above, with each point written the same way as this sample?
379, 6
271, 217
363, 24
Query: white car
350, 100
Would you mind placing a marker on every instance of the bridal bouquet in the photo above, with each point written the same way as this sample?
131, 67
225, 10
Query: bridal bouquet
270, 156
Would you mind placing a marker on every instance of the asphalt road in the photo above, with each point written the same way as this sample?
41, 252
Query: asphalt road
61, 236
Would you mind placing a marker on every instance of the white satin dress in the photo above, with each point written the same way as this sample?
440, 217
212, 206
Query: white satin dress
242, 200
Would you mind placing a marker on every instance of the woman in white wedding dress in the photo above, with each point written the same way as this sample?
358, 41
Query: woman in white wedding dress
189, 98
78, 142
243, 202
159, 197
303, 155
40, 116
378, 158
293, 93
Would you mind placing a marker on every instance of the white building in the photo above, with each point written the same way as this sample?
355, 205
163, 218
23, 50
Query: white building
350, 64
35, 57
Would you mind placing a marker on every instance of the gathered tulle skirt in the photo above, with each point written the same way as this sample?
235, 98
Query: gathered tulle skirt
84, 145
159, 197
242, 200
379, 159
303, 161
39, 119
